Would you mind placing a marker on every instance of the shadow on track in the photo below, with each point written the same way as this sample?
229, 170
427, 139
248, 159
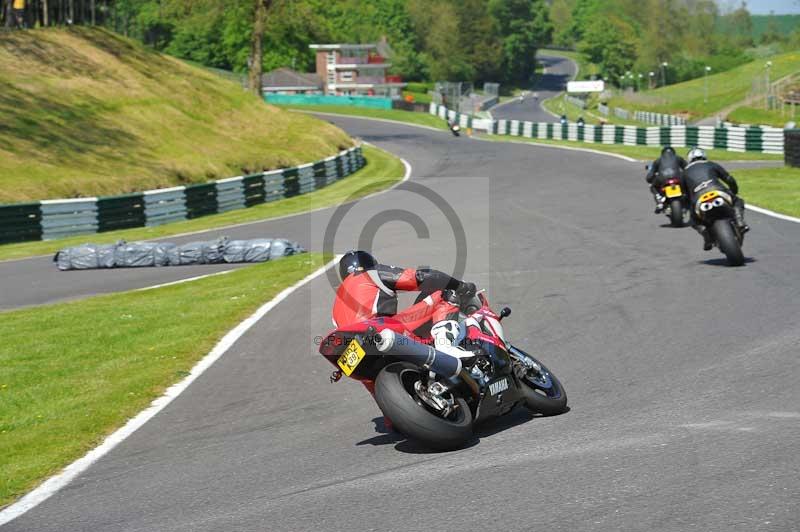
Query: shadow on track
517, 417
722, 261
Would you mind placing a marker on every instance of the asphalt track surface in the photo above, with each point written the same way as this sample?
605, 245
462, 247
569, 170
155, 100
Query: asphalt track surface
681, 372
559, 71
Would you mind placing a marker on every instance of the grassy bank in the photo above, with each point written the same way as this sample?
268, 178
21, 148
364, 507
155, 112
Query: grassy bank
643, 153
724, 89
421, 119
756, 116
72, 373
87, 112
382, 171
776, 189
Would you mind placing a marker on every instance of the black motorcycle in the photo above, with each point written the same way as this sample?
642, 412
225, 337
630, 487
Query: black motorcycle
715, 210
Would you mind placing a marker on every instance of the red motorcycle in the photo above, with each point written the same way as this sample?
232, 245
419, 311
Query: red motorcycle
431, 396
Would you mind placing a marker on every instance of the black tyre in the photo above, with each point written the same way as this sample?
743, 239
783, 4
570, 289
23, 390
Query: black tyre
676, 213
395, 395
728, 243
543, 392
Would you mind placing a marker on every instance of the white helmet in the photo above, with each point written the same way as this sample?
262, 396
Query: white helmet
447, 333
696, 154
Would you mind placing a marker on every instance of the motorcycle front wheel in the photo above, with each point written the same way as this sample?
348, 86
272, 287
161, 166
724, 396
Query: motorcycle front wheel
728, 243
410, 415
542, 390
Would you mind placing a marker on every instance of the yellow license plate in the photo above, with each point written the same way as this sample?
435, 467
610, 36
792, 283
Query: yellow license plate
673, 191
708, 196
351, 357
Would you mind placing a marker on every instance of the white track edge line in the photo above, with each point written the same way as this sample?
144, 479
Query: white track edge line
560, 147
387, 120
181, 281
50, 486
773, 214
406, 177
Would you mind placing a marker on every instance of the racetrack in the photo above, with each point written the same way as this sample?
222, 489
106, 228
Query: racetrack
552, 82
681, 372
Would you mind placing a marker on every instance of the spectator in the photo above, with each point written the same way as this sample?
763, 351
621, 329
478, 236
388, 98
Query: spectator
18, 12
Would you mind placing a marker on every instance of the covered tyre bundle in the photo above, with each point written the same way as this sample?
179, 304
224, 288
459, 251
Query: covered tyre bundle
260, 250
208, 252
86, 257
142, 254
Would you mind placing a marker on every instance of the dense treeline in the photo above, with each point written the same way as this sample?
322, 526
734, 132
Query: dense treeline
639, 36
473, 40
31, 13
431, 39
492, 40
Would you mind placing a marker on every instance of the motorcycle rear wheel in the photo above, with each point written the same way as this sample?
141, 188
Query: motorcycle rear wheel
728, 243
395, 395
676, 213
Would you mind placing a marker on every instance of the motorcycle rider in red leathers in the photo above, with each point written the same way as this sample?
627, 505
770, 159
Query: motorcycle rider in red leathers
370, 289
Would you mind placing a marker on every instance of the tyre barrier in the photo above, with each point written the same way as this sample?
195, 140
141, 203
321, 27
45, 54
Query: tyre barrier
792, 143
51, 219
737, 139
149, 254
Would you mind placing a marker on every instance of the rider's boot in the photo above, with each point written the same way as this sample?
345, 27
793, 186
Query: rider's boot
738, 215
703, 230
707, 242
659, 199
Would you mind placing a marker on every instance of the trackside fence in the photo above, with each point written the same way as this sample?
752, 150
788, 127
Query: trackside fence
50, 219
738, 139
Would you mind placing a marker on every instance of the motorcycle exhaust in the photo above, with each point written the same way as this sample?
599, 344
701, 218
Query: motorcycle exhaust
409, 350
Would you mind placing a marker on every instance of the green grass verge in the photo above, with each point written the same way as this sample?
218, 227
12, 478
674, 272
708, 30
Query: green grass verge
72, 373
382, 171
642, 153
755, 116
87, 112
560, 105
422, 119
776, 189
724, 89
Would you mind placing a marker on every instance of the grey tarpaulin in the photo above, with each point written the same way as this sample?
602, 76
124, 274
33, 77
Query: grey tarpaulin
86, 257
141, 254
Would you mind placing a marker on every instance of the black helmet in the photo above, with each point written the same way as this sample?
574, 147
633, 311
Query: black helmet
668, 149
356, 261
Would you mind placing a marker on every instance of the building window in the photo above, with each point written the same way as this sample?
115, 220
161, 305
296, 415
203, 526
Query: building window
347, 75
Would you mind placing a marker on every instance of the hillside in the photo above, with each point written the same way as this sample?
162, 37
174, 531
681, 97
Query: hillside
724, 89
86, 112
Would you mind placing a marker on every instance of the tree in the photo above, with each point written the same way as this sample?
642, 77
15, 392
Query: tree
561, 18
524, 26
610, 43
256, 46
741, 26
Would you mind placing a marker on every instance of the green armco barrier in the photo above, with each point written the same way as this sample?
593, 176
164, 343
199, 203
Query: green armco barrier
323, 99
59, 218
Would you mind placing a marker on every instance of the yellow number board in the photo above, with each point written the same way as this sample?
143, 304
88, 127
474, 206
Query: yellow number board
351, 357
673, 191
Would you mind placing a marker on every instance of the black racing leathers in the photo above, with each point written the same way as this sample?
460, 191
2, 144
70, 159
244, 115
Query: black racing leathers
700, 177
668, 166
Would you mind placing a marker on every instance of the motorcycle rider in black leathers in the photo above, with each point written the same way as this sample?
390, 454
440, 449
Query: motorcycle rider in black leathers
669, 165
701, 176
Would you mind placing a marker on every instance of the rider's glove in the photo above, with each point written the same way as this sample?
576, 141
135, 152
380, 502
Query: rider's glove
466, 290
